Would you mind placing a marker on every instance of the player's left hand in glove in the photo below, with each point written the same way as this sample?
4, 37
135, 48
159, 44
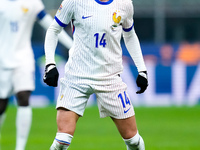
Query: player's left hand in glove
51, 75
142, 81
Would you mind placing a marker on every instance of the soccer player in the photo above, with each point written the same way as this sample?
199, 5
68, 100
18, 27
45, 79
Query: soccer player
17, 18
94, 66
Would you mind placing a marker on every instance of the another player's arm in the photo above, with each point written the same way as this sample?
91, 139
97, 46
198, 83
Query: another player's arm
133, 45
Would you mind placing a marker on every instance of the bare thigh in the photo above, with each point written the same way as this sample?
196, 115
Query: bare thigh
66, 121
126, 127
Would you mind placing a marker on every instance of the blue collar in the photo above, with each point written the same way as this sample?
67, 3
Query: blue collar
104, 3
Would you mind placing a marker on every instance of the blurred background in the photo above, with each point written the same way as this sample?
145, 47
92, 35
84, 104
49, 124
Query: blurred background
169, 32
167, 113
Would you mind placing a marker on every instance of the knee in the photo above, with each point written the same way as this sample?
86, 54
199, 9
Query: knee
23, 98
66, 121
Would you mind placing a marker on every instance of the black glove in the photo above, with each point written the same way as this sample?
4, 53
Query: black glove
142, 81
51, 75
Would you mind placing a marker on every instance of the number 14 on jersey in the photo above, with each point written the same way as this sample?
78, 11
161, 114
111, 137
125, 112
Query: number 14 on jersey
100, 40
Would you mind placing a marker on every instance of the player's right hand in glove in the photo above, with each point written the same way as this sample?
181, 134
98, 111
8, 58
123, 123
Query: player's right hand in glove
51, 75
142, 81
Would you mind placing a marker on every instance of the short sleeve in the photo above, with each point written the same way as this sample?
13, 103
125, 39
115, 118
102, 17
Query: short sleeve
128, 22
65, 13
38, 7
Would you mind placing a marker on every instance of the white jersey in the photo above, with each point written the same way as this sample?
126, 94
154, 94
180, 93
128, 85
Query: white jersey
17, 18
96, 53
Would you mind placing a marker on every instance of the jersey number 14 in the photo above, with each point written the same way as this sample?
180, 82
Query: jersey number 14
102, 41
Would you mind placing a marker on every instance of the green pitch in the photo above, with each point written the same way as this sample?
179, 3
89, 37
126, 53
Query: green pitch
163, 128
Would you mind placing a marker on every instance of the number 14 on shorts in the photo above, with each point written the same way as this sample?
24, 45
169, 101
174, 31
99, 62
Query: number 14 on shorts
125, 101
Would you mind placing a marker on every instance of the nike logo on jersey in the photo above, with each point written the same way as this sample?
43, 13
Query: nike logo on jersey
125, 111
85, 17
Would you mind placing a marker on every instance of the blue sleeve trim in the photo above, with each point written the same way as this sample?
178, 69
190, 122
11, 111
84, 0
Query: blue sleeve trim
129, 29
60, 23
41, 14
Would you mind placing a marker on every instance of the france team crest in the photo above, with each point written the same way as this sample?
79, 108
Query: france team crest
116, 18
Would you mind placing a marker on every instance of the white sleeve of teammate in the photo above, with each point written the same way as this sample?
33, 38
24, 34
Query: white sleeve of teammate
63, 37
131, 40
51, 41
38, 6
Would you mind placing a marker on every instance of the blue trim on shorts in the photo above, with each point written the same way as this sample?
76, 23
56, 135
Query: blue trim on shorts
59, 22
